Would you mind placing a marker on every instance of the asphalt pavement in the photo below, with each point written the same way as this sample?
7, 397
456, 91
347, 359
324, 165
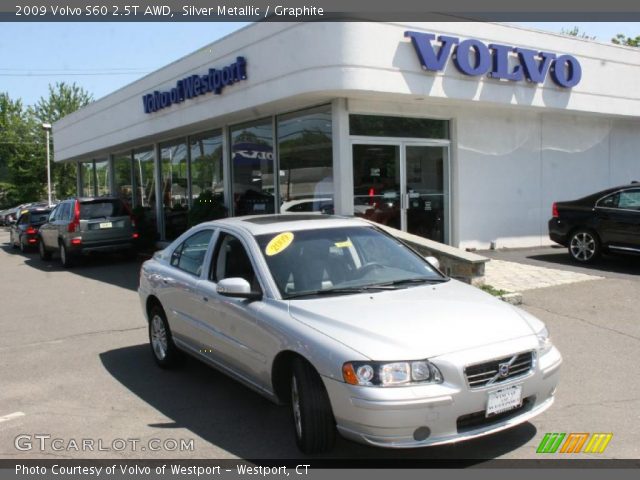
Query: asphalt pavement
75, 364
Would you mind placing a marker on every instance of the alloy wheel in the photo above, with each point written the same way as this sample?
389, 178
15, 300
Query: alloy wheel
583, 246
158, 337
295, 406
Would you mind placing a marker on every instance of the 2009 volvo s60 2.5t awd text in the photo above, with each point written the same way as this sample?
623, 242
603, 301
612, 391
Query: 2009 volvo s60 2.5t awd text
351, 328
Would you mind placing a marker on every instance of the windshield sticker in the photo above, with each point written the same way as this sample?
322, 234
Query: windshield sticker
278, 243
345, 244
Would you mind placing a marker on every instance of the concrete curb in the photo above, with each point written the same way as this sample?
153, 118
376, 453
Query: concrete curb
514, 298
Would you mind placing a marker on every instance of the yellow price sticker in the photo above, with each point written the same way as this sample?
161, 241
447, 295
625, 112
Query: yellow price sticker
279, 243
345, 244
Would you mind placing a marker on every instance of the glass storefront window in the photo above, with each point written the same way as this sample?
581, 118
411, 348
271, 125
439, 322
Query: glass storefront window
103, 178
306, 161
87, 178
386, 126
175, 200
145, 182
207, 187
252, 166
122, 177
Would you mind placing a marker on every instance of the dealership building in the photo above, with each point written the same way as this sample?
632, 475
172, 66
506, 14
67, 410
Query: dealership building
464, 133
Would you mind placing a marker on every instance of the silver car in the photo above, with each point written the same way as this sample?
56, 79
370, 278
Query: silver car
354, 330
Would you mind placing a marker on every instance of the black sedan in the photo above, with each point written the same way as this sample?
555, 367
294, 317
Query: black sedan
607, 221
24, 232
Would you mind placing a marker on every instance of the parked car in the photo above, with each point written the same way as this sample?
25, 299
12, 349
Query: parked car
350, 327
86, 225
606, 221
24, 233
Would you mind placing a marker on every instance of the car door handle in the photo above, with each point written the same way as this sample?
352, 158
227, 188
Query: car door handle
205, 299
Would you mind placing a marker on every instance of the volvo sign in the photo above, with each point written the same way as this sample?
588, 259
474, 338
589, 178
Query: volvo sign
474, 58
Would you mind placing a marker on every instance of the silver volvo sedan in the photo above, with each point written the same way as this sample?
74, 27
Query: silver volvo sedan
350, 327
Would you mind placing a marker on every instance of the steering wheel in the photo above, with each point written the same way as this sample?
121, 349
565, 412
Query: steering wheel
367, 268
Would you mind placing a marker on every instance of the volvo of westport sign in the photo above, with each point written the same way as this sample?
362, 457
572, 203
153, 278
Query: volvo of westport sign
195, 85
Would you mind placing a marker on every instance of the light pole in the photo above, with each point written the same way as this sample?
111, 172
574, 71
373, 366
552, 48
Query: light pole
47, 128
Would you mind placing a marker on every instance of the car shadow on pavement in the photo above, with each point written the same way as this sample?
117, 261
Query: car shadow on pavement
623, 264
243, 423
114, 269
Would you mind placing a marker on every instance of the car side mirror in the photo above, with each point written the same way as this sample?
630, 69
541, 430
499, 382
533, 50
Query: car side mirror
433, 261
237, 287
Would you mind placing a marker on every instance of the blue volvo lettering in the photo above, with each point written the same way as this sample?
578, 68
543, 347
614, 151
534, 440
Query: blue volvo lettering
195, 85
472, 57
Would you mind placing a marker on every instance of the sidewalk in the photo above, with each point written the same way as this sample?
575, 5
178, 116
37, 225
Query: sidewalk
517, 277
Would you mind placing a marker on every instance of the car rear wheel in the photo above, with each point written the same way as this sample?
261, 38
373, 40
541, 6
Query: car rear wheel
44, 255
584, 246
163, 349
23, 246
65, 258
314, 425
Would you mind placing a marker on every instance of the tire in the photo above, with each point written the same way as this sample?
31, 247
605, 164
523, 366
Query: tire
23, 247
313, 422
65, 257
164, 351
44, 255
584, 246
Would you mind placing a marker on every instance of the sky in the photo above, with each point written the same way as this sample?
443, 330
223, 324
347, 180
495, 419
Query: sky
102, 57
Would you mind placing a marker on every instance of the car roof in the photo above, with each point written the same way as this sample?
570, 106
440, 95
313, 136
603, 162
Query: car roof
265, 224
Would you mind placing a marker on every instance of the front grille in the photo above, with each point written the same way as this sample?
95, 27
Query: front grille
476, 420
488, 373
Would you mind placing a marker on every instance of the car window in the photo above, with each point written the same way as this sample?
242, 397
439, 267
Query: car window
610, 202
231, 261
39, 217
189, 255
24, 219
629, 200
54, 214
64, 212
102, 208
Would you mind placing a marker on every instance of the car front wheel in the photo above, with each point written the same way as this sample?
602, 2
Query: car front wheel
584, 246
163, 349
313, 420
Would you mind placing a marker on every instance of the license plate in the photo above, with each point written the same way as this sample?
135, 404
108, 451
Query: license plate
504, 400
106, 225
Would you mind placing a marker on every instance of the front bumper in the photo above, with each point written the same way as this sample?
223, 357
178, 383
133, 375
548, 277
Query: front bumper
402, 417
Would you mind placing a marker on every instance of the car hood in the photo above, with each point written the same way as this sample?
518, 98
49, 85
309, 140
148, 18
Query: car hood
415, 322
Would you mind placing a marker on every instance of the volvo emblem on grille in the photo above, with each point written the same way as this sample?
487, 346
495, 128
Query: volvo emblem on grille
503, 369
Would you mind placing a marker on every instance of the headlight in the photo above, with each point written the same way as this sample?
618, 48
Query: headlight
389, 374
544, 343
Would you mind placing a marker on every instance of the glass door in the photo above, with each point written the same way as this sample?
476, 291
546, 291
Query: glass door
376, 183
425, 205
403, 185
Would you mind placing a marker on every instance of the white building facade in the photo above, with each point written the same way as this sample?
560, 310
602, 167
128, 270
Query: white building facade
461, 132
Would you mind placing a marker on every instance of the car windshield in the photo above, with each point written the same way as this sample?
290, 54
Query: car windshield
345, 260
102, 209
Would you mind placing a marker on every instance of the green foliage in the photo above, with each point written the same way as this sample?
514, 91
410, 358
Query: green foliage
208, 206
575, 32
496, 292
621, 39
23, 166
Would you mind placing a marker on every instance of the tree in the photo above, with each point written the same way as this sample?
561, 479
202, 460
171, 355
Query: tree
621, 39
63, 99
575, 32
22, 166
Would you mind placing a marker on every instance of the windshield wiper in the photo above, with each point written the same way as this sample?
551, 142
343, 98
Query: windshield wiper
340, 291
412, 281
